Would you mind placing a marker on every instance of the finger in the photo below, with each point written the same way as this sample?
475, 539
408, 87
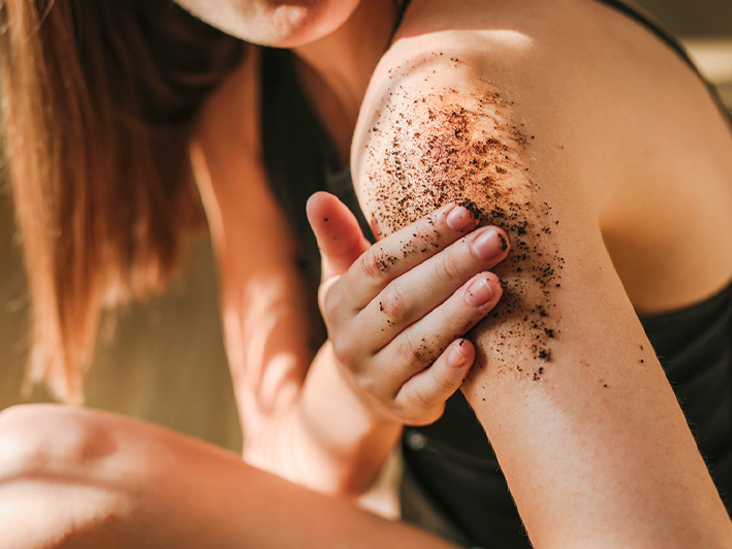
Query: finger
423, 342
403, 250
413, 295
337, 231
421, 400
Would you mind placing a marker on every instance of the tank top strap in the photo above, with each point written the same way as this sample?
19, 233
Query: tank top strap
644, 18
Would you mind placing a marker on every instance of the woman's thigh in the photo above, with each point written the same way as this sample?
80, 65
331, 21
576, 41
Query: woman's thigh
72, 477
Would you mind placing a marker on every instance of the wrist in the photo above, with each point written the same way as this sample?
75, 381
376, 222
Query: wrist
342, 429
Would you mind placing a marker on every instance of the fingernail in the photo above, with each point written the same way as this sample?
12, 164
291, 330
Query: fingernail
479, 292
459, 218
456, 358
489, 244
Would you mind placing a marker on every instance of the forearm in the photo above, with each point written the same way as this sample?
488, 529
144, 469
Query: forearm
326, 439
596, 450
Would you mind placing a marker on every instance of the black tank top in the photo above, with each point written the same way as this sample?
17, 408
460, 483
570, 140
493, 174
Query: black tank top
452, 483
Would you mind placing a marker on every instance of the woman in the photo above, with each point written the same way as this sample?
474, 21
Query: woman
468, 104
147, 117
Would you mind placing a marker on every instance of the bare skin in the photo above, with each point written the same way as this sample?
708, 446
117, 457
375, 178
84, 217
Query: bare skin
594, 446
99, 480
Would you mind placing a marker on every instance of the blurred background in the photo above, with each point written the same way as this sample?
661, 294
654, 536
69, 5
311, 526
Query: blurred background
165, 363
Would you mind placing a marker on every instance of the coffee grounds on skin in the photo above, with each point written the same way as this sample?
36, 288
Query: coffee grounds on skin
450, 145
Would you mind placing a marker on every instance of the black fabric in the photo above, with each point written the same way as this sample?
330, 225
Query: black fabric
453, 484
695, 348
299, 162
298, 156
295, 152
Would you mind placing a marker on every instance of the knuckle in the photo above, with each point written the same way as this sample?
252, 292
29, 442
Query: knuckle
331, 305
367, 385
425, 240
344, 351
455, 316
420, 399
393, 303
429, 416
410, 352
375, 264
460, 322
451, 270
443, 381
424, 237
432, 226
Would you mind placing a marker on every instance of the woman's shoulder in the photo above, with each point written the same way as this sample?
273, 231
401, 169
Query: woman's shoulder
596, 96
490, 68
567, 56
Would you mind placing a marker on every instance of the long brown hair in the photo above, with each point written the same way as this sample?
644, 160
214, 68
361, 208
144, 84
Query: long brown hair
98, 101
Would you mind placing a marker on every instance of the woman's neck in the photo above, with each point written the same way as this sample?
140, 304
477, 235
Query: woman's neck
337, 68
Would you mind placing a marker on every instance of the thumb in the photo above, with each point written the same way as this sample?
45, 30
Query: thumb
336, 229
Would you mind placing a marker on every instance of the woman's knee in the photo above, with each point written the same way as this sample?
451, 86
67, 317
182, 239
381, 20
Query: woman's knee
55, 484
42, 440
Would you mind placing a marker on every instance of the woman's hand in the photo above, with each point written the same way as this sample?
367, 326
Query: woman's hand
396, 311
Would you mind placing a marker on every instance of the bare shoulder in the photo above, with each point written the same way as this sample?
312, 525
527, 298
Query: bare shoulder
446, 94
564, 102
581, 74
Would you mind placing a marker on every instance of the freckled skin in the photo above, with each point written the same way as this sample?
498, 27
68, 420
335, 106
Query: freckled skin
448, 145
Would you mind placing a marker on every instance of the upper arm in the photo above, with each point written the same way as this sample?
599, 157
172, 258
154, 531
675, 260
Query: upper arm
566, 384
440, 127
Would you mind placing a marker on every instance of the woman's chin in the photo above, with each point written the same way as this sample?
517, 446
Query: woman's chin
276, 23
